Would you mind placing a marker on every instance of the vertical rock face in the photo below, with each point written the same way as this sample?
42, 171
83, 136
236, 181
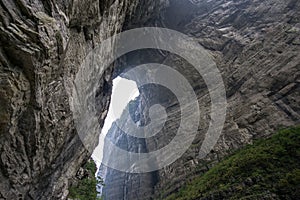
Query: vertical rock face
42, 44
122, 185
255, 45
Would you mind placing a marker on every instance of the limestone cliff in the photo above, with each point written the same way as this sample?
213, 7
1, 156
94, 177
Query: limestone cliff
255, 44
256, 47
42, 44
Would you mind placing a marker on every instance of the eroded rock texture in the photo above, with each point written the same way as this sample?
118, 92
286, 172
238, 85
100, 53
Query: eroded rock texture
42, 44
255, 45
122, 185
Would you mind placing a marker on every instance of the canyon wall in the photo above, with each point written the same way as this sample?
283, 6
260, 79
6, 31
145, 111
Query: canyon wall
42, 44
256, 46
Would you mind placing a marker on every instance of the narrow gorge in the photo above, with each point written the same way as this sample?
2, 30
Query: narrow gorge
44, 45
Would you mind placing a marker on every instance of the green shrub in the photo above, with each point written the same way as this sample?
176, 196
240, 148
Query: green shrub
269, 166
86, 187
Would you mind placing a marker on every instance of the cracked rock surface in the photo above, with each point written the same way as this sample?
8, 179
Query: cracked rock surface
42, 44
255, 45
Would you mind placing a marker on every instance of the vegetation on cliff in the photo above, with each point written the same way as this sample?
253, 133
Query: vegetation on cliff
268, 169
85, 189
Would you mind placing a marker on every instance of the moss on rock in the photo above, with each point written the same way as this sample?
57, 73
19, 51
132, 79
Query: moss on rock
268, 169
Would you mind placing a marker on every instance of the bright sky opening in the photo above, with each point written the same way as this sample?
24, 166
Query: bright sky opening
123, 92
